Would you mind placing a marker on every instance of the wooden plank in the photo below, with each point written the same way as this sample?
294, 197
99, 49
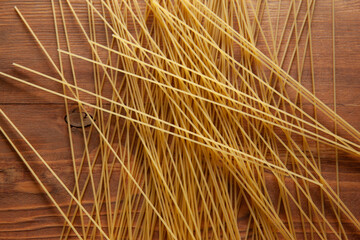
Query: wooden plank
16, 36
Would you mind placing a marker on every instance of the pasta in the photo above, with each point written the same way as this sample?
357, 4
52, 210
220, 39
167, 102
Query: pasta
201, 122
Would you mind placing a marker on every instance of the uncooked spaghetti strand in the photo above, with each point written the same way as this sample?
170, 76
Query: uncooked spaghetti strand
75, 82
93, 164
80, 169
76, 187
335, 107
63, 235
315, 106
299, 71
67, 114
272, 54
92, 181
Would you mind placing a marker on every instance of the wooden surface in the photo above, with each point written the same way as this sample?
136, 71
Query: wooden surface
26, 212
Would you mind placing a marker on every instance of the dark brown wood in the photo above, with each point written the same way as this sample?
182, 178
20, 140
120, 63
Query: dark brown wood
26, 212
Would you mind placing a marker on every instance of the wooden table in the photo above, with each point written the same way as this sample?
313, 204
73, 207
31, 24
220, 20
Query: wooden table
26, 212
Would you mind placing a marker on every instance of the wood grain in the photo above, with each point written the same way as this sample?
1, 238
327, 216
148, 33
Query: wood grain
26, 212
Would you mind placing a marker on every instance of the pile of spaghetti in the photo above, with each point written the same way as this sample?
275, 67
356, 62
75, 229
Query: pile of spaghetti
197, 120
